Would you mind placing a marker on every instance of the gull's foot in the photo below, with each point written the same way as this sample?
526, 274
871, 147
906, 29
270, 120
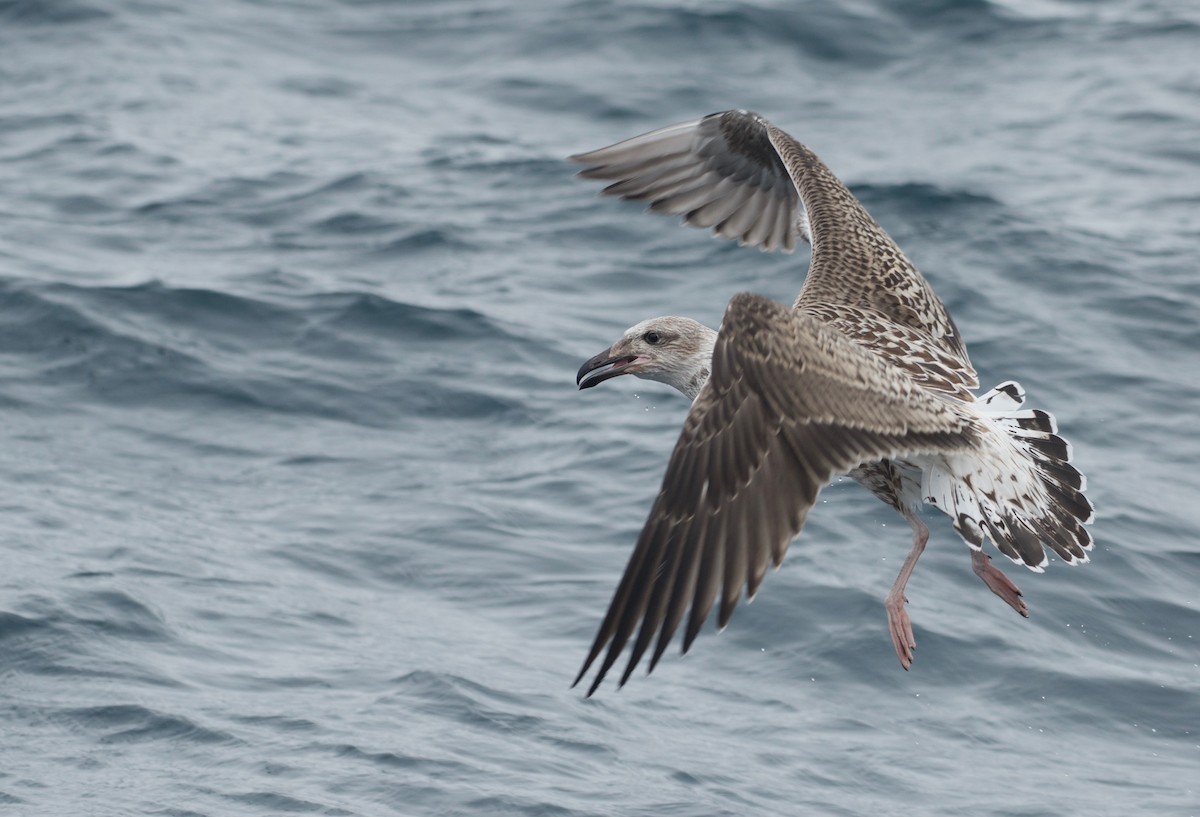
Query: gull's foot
900, 628
997, 582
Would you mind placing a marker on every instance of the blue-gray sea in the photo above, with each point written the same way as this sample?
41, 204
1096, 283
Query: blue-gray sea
301, 511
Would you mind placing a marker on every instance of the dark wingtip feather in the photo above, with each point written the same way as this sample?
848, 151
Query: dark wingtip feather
595, 685
587, 665
594, 172
726, 611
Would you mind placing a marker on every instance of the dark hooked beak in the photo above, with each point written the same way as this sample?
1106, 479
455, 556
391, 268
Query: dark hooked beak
602, 367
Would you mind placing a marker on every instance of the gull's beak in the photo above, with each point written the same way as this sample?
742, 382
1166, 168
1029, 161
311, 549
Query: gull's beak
603, 366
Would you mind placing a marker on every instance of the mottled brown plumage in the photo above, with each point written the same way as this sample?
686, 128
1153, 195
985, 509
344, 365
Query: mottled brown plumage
866, 374
790, 403
749, 180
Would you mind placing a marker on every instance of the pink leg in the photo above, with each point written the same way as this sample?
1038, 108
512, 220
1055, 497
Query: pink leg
997, 582
898, 623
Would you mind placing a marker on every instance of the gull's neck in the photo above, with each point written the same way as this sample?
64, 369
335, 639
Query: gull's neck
693, 378
691, 388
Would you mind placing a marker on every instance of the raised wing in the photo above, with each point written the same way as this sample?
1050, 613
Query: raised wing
854, 261
747, 179
720, 171
789, 404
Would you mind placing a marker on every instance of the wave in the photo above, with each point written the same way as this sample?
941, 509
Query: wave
50, 12
350, 356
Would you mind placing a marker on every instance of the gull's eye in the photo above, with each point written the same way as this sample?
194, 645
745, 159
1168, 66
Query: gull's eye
652, 338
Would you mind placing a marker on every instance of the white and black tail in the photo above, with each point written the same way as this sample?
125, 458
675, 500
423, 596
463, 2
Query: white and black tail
1019, 490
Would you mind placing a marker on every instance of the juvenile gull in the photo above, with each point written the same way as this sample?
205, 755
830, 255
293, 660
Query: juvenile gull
866, 375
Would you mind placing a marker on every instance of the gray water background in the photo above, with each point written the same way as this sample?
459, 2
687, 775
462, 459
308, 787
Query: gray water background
302, 512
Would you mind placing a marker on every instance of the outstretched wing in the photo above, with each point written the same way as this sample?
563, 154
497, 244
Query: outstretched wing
789, 404
854, 261
720, 171
747, 179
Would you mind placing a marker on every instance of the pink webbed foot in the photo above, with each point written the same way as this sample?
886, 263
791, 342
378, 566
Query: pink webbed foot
900, 628
997, 582
898, 624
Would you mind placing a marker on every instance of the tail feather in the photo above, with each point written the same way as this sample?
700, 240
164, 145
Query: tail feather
1049, 448
1008, 395
1020, 490
1038, 421
1064, 539
1073, 501
1065, 474
1031, 421
1018, 535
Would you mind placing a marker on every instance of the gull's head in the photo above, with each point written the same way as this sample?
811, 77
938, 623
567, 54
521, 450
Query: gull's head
675, 351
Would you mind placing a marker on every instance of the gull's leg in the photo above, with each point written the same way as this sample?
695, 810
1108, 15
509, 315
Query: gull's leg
898, 624
997, 582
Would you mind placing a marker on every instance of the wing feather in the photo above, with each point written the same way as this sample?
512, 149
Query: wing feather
790, 403
854, 260
691, 167
741, 175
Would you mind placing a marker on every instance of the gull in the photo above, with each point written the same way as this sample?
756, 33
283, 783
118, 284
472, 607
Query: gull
866, 374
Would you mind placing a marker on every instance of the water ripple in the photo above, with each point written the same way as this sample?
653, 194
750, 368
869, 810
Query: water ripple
304, 512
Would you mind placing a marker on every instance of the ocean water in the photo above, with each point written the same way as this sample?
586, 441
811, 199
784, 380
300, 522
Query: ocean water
302, 512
